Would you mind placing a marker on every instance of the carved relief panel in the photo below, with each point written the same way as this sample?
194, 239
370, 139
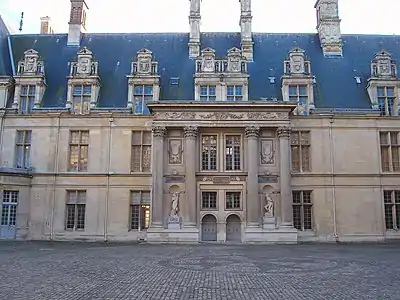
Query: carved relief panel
235, 60
267, 154
383, 65
175, 151
31, 64
85, 58
208, 60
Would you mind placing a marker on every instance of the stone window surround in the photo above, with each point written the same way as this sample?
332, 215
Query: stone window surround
306, 81
221, 85
389, 147
201, 191
26, 144
38, 82
75, 203
302, 204
393, 202
131, 204
301, 146
76, 81
221, 154
141, 145
372, 89
80, 144
240, 201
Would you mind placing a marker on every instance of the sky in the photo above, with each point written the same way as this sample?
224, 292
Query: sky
283, 16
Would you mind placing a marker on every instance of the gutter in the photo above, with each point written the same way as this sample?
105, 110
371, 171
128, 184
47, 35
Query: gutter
54, 180
110, 122
332, 161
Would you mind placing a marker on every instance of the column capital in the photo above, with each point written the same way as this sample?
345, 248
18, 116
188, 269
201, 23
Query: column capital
252, 132
284, 132
158, 131
190, 132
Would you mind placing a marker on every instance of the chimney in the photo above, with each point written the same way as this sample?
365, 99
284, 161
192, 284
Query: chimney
45, 25
245, 29
77, 22
328, 26
194, 21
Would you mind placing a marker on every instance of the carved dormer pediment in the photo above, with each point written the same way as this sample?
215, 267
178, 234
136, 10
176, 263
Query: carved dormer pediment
235, 62
208, 60
31, 64
85, 65
383, 66
144, 64
296, 63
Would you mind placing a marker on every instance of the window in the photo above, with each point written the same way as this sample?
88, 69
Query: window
81, 95
209, 200
233, 200
27, 99
232, 152
391, 201
141, 151
142, 94
299, 94
302, 210
207, 93
386, 96
234, 93
140, 210
209, 153
75, 210
23, 149
78, 149
301, 151
390, 148
9, 208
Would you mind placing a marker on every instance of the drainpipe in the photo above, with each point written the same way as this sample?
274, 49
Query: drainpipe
54, 179
332, 161
3, 115
110, 122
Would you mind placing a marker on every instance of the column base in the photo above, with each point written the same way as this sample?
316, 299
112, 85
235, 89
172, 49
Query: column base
171, 235
269, 234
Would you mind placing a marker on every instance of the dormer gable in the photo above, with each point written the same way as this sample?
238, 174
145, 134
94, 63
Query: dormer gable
298, 82
143, 81
384, 85
83, 83
30, 82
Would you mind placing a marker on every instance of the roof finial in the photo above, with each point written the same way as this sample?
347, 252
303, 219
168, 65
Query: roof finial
21, 23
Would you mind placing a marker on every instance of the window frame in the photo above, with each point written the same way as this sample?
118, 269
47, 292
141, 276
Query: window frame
240, 200
79, 202
80, 144
235, 97
395, 209
391, 166
216, 200
301, 146
208, 97
389, 109
209, 156
141, 146
142, 97
298, 96
28, 98
9, 209
26, 142
83, 99
302, 204
142, 205
226, 135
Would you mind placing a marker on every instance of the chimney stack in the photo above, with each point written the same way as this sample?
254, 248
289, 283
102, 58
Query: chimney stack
45, 25
77, 22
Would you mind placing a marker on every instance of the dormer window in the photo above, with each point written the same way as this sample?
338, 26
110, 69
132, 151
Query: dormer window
143, 82
83, 83
29, 83
297, 82
221, 79
383, 84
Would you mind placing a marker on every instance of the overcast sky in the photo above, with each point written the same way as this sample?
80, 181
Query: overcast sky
358, 16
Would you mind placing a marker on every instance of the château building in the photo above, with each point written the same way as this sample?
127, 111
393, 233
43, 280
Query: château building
190, 137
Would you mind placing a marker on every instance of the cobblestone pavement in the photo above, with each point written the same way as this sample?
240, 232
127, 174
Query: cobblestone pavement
43, 270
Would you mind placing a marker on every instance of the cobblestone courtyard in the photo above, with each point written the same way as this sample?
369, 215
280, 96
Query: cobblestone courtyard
42, 270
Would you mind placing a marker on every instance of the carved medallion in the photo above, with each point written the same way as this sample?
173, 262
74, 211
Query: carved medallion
175, 151
267, 152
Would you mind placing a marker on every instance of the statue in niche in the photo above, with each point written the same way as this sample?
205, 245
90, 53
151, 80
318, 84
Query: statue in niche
269, 206
175, 204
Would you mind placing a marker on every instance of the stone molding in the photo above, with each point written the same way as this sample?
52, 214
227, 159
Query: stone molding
190, 132
284, 132
158, 131
252, 132
221, 116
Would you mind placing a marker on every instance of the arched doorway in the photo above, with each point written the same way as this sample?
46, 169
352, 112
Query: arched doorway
209, 229
233, 229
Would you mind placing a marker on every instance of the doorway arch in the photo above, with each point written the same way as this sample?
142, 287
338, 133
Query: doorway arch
209, 228
233, 229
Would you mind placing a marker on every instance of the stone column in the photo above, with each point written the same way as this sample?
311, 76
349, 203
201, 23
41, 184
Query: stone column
158, 176
190, 217
286, 197
253, 203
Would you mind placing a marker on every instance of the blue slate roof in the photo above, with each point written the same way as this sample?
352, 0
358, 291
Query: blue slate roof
335, 84
5, 63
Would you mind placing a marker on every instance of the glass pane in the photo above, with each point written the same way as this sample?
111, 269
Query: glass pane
146, 137
293, 90
20, 137
212, 90
80, 222
24, 108
136, 197
230, 90
146, 158
303, 100
77, 91
19, 156
390, 91
148, 90
389, 216
28, 135
136, 150
70, 216
74, 158
138, 90
307, 217
84, 137
84, 158
297, 217
303, 90
238, 90
381, 92
87, 89
295, 138
135, 217
24, 90
295, 158
145, 197
385, 159
32, 90
136, 138
138, 105
203, 90
393, 138
395, 159
383, 138
27, 156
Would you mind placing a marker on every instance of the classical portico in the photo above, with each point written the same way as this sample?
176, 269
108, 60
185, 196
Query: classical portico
223, 165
